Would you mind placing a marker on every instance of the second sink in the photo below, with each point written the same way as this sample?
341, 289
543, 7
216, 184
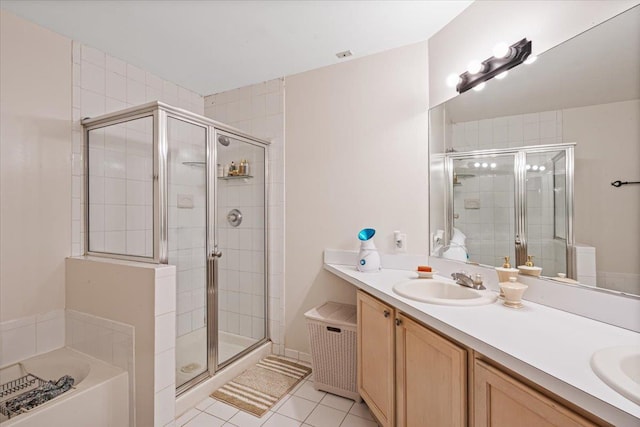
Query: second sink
441, 292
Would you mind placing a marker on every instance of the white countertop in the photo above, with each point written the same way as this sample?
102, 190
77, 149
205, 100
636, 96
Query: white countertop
551, 347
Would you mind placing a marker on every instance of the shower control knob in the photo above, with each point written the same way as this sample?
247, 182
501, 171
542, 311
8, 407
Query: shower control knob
216, 254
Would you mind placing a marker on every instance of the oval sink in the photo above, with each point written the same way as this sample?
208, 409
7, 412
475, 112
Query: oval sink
619, 368
439, 292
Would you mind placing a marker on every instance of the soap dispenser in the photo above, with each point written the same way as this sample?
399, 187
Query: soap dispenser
506, 272
529, 269
368, 257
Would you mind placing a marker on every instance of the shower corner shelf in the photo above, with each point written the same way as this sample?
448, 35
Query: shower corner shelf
231, 178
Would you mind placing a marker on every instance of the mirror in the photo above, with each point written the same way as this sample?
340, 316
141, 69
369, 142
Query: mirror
531, 159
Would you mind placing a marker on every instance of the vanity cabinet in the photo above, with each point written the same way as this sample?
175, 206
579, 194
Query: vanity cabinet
502, 401
407, 374
431, 377
376, 357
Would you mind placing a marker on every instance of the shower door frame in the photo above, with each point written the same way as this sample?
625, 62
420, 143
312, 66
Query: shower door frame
520, 194
161, 112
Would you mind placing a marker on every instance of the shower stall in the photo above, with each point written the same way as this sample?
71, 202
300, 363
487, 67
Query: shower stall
164, 185
515, 202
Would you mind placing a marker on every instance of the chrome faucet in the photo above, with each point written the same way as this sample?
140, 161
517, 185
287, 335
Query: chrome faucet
465, 279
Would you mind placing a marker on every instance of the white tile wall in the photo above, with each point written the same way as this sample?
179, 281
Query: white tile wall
121, 183
103, 84
242, 272
259, 110
29, 336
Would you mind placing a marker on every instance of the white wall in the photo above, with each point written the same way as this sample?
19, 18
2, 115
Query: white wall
473, 33
356, 157
35, 151
607, 217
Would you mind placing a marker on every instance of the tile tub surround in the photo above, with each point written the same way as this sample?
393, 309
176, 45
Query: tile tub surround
32, 335
106, 340
520, 341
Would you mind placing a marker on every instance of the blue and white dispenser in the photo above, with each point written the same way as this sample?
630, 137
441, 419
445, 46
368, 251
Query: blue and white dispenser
368, 258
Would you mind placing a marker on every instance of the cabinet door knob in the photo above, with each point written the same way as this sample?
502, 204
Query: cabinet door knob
386, 313
398, 322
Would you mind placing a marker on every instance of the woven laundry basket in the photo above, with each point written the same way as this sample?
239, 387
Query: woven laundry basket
332, 335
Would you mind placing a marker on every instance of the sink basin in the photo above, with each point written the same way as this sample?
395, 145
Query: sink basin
619, 368
440, 292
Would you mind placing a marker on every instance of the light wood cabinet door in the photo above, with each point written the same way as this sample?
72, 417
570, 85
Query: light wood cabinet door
376, 357
431, 378
503, 401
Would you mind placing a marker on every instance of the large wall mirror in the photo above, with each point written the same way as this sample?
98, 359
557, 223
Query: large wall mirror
525, 166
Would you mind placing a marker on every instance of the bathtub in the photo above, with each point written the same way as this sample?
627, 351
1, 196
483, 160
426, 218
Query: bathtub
99, 397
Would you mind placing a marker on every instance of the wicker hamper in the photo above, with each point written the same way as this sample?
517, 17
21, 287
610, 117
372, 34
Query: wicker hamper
332, 335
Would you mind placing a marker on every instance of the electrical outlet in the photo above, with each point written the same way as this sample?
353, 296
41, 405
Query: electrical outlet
400, 242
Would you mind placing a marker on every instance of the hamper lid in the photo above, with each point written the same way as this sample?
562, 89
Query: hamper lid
334, 312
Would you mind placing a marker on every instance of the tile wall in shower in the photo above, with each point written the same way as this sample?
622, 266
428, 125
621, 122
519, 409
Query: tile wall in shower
242, 266
103, 84
259, 110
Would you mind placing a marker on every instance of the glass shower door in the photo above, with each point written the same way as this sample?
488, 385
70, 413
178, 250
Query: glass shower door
240, 224
483, 208
187, 230
546, 210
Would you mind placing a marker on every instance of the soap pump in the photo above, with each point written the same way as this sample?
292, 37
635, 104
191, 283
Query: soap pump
368, 257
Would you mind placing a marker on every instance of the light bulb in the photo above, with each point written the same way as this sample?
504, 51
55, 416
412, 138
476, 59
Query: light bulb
476, 164
493, 165
501, 50
531, 59
474, 67
452, 80
528, 167
479, 87
535, 167
502, 75
542, 168
484, 165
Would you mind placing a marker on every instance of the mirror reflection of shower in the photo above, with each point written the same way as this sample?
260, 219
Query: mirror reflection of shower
509, 202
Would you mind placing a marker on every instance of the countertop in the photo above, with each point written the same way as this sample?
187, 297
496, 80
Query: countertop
551, 347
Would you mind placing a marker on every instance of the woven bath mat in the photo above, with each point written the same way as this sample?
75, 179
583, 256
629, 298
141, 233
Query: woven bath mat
259, 388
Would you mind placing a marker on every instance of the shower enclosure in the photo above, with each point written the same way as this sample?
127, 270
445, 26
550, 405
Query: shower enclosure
168, 186
508, 202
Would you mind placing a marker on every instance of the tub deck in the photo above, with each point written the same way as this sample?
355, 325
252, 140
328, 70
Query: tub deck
99, 397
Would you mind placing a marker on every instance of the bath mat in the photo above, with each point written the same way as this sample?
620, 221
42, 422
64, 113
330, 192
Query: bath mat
258, 388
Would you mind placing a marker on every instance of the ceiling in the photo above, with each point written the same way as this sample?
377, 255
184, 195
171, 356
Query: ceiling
213, 46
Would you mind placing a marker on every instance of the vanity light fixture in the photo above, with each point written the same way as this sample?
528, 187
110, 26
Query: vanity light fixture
480, 72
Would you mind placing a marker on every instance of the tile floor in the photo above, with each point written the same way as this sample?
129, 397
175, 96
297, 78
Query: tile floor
303, 406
